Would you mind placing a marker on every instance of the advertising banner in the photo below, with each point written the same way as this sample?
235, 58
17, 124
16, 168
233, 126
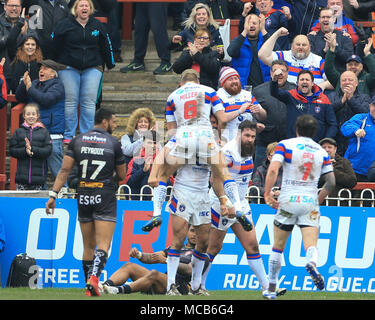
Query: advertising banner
346, 246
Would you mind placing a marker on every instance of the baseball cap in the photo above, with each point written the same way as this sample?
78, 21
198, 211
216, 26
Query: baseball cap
354, 57
329, 140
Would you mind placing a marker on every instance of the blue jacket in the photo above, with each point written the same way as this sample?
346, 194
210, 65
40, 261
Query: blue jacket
240, 51
318, 105
50, 96
361, 160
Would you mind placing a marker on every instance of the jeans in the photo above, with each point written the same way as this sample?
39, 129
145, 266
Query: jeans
55, 159
81, 88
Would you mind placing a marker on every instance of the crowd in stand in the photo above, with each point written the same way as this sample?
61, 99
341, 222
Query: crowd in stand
290, 58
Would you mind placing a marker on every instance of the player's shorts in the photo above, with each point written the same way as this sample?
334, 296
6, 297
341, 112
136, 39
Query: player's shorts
224, 223
96, 204
194, 142
194, 207
301, 214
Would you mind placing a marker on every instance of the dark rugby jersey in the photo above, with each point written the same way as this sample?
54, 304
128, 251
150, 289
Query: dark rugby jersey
96, 153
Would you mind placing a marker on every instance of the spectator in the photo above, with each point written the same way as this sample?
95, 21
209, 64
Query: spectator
8, 19
341, 23
275, 125
140, 121
305, 12
201, 57
221, 9
237, 102
82, 44
200, 17
244, 52
359, 10
25, 54
3, 86
342, 168
307, 98
44, 15
150, 15
259, 177
321, 39
275, 19
366, 81
140, 166
298, 58
360, 129
31, 145
48, 92
371, 172
347, 102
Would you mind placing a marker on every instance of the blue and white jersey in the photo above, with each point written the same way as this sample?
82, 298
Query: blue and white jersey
313, 63
234, 103
303, 161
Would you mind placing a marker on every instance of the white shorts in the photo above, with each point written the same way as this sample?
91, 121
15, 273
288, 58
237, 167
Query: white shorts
224, 223
301, 214
193, 207
194, 142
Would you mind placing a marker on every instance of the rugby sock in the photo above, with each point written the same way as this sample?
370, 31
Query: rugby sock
197, 262
231, 190
100, 259
256, 265
173, 260
312, 255
87, 268
124, 289
109, 282
207, 270
274, 266
160, 192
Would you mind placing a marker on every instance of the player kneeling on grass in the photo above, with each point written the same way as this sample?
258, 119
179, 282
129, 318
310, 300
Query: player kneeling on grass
152, 282
303, 161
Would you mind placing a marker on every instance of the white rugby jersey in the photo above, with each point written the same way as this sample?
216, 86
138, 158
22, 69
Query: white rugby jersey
183, 104
240, 168
313, 63
234, 103
191, 177
303, 161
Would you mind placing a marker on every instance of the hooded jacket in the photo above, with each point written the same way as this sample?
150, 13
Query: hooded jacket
317, 105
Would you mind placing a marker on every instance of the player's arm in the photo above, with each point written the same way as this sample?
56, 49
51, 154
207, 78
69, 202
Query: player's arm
171, 128
148, 258
121, 172
271, 177
328, 186
62, 176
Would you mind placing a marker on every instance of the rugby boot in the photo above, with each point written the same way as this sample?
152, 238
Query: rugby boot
269, 295
315, 275
173, 291
244, 221
280, 292
151, 224
92, 287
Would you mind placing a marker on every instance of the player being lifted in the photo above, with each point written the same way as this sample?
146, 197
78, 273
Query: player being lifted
188, 118
303, 162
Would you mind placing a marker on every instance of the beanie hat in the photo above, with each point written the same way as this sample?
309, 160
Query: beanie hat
226, 73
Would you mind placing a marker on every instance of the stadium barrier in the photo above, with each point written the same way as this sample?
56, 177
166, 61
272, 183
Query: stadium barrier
346, 244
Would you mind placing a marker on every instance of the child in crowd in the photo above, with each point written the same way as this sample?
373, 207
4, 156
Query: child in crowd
31, 145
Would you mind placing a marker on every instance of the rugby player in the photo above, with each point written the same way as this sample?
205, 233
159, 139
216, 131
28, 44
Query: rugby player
303, 161
98, 155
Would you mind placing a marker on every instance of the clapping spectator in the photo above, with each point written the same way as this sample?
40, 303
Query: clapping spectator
201, 57
244, 52
48, 92
31, 145
140, 121
26, 55
200, 17
82, 44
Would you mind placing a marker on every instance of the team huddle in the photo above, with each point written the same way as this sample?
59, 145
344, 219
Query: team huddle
209, 195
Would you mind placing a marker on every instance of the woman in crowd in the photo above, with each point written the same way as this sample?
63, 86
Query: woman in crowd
82, 44
200, 17
31, 145
201, 57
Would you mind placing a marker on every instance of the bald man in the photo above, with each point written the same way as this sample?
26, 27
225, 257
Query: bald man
347, 101
298, 58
